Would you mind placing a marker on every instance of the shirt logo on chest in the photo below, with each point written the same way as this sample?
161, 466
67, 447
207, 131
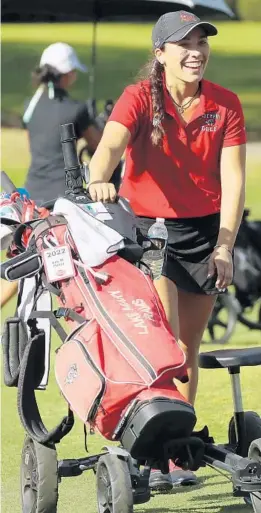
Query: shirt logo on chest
210, 121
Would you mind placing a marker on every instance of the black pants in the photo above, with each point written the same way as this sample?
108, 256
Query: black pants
190, 243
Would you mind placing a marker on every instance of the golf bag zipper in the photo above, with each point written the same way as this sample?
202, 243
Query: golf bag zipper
94, 409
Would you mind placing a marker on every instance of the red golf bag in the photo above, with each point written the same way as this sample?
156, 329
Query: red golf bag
124, 351
117, 365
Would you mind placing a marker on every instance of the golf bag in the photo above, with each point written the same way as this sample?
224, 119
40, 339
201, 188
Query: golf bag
118, 358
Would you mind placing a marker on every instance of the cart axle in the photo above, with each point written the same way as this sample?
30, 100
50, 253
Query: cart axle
75, 467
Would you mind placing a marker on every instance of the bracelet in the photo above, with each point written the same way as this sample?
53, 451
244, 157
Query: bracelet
224, 246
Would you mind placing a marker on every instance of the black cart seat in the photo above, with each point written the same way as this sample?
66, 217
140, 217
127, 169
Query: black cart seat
229, 358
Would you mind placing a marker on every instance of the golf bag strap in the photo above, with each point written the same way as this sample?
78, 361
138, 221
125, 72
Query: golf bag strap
70, 314
45, 225
54, 290
57, 314
54, 322
39, 226
27, 405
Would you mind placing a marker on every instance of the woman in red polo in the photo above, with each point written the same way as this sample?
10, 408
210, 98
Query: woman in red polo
185, 161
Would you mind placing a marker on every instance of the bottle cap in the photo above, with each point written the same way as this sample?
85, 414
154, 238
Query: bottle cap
160, 220
23, 192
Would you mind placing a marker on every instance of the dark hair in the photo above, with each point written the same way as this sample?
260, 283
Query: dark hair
45, 74
153, 71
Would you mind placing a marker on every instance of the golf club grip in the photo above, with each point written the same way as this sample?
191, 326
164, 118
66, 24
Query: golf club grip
68, 140
7, 184
73, 175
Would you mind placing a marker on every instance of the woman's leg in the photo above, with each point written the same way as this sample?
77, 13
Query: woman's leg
194, 311
168, 294
188, 315
189, 338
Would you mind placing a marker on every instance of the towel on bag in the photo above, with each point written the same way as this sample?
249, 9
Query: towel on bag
95, 241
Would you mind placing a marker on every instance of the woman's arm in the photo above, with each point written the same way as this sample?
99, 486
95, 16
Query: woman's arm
107, 156
232, 169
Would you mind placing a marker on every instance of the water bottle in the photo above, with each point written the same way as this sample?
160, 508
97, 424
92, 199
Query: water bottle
154, 257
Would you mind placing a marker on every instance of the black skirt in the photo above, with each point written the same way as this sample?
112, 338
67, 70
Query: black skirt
190, 244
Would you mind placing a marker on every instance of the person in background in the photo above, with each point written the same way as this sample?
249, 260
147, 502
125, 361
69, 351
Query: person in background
184, 138
51, 106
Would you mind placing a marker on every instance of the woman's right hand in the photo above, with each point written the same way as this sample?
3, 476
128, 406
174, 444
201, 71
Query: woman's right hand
102, 191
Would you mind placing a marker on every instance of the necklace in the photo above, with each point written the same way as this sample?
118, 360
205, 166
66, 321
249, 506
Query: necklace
182, 108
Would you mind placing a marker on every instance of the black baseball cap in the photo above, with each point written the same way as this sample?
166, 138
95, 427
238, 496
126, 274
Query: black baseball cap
173, 26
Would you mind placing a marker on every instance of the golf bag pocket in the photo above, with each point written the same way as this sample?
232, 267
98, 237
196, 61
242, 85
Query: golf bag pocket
22, 266
94, 377
14, 340
78, 376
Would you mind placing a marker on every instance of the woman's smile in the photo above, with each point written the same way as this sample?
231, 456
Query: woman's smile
193, 66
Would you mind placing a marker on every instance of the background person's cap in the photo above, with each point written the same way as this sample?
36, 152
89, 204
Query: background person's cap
173, 26
62, 57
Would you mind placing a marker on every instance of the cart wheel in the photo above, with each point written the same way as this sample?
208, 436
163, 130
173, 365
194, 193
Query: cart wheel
253, 431
114, 488
39, 478
251, 316
254, 453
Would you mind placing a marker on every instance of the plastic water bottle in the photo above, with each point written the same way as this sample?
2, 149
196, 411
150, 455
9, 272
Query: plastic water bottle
154, 258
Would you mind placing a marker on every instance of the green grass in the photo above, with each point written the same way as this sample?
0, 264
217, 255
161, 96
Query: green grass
122, 49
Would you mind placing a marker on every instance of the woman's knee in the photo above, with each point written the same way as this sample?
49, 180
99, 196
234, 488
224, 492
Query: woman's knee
194, 312
191, 351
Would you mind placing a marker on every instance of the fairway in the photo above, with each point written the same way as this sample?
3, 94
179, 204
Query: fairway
122, 50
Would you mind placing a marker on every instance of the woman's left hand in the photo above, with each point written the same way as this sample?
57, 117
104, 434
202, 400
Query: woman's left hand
222, 262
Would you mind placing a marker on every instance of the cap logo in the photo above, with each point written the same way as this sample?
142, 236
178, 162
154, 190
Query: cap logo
184, 16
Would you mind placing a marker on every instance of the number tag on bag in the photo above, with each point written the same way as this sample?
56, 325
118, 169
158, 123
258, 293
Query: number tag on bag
58, 263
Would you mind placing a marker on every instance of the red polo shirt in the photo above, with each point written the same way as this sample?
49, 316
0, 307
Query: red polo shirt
181, 178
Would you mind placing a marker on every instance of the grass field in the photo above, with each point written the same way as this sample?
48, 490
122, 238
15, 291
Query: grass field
122, 49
